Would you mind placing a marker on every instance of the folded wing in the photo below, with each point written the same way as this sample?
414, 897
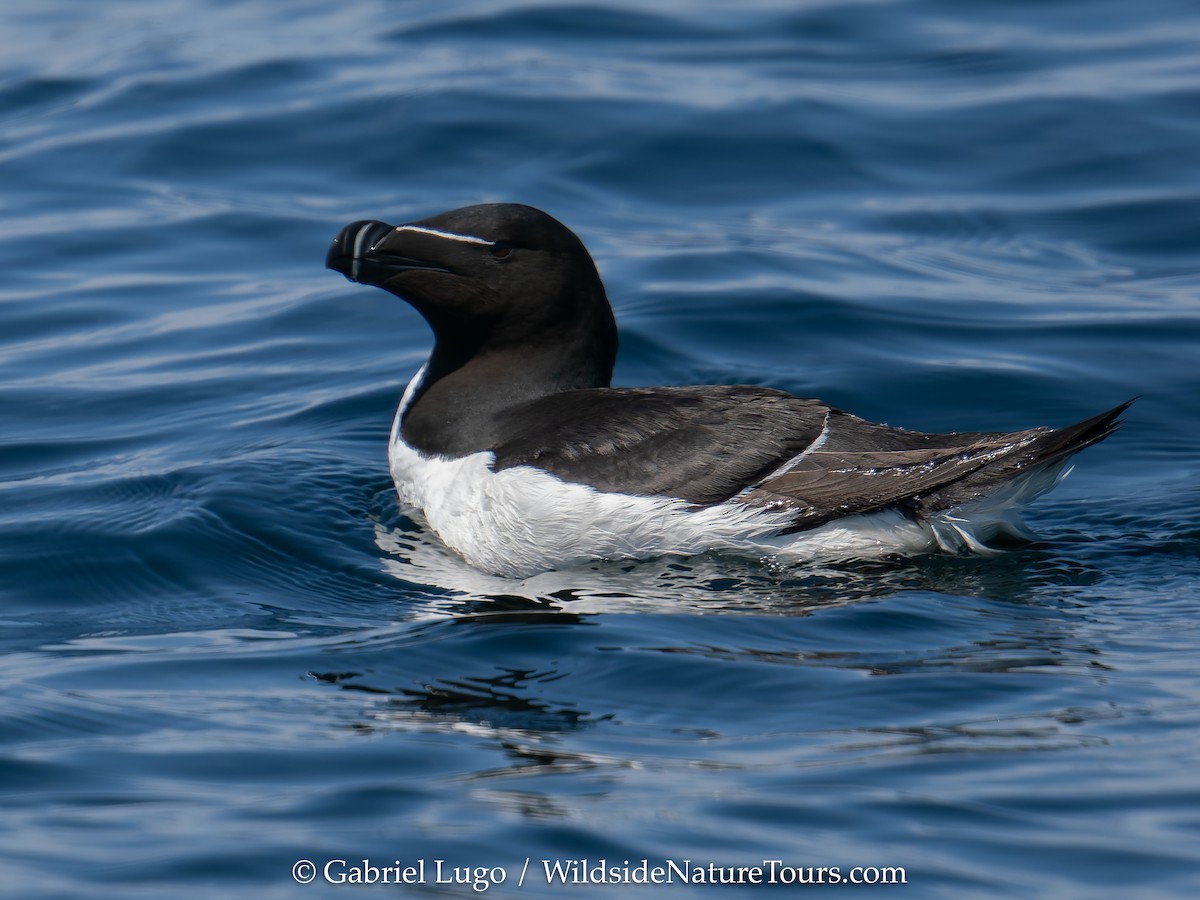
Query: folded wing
712, 444
702, 444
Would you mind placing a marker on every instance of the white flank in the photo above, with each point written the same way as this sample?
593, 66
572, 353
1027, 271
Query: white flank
972, 525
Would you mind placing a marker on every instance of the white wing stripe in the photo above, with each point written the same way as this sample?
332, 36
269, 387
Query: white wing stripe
816, 445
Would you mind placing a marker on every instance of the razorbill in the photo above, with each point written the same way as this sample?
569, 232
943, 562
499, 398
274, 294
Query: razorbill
511, 444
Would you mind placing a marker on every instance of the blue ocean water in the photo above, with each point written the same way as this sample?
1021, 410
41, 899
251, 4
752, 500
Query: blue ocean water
225, 649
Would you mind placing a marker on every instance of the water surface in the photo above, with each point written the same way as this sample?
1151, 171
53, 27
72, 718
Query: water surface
226, 649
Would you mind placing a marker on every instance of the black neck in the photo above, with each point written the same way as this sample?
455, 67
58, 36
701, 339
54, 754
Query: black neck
469, 383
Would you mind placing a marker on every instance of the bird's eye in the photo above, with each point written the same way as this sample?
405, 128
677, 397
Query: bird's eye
500, 251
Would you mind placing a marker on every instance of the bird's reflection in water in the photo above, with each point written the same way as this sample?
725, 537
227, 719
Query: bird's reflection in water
532, 666
710, 584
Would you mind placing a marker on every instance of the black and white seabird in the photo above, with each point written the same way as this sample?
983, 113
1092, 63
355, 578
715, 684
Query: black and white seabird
514, 448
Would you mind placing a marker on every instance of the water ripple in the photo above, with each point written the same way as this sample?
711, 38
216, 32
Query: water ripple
225, 646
